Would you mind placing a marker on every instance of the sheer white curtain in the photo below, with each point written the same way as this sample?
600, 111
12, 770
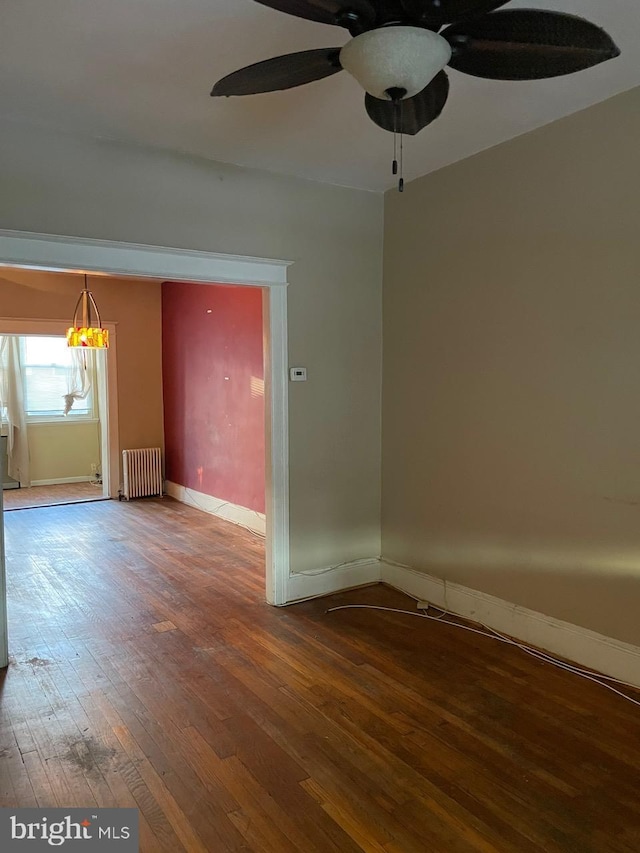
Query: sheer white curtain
12, 407
80, 377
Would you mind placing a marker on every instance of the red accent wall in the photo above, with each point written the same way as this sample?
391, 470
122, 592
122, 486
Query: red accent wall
213, 381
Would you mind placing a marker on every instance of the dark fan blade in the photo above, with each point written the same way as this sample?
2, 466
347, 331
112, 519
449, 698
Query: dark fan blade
343, 13
412, 114
527, 44
436, 13
282, 72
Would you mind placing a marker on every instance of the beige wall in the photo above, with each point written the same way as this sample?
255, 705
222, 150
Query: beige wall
134, 305
511, 413
59, 451
55, 184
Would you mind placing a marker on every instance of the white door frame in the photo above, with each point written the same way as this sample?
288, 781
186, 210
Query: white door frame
79, 254
4, 641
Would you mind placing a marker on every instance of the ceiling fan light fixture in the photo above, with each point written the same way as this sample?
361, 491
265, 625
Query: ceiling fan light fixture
395, 58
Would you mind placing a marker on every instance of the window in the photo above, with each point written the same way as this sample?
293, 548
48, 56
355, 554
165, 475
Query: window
46, 367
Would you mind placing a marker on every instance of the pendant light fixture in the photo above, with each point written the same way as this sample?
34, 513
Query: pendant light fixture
86, 329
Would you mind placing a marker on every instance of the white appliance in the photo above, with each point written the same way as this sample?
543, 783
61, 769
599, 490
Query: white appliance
7, 481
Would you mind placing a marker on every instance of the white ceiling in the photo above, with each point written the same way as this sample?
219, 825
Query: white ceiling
141, 71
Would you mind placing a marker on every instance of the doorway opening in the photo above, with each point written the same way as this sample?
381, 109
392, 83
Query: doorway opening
54, 409
28, 251
44, 252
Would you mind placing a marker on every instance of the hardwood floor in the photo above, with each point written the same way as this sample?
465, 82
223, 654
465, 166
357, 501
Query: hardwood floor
60, 493
147, 671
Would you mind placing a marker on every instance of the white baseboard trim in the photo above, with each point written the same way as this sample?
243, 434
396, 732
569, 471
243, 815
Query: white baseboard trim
585, 647
325, 581
216, 506
59, 481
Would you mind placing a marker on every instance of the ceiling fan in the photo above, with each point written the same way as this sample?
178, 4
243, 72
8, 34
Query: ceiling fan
399, 49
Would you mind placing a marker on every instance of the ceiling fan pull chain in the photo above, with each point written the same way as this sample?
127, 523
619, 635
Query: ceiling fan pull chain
394, 166
401, 181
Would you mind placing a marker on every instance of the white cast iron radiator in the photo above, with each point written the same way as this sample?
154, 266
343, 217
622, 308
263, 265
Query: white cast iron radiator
142, 471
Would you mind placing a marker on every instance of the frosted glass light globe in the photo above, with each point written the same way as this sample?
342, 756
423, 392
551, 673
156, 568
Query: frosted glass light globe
395, 58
